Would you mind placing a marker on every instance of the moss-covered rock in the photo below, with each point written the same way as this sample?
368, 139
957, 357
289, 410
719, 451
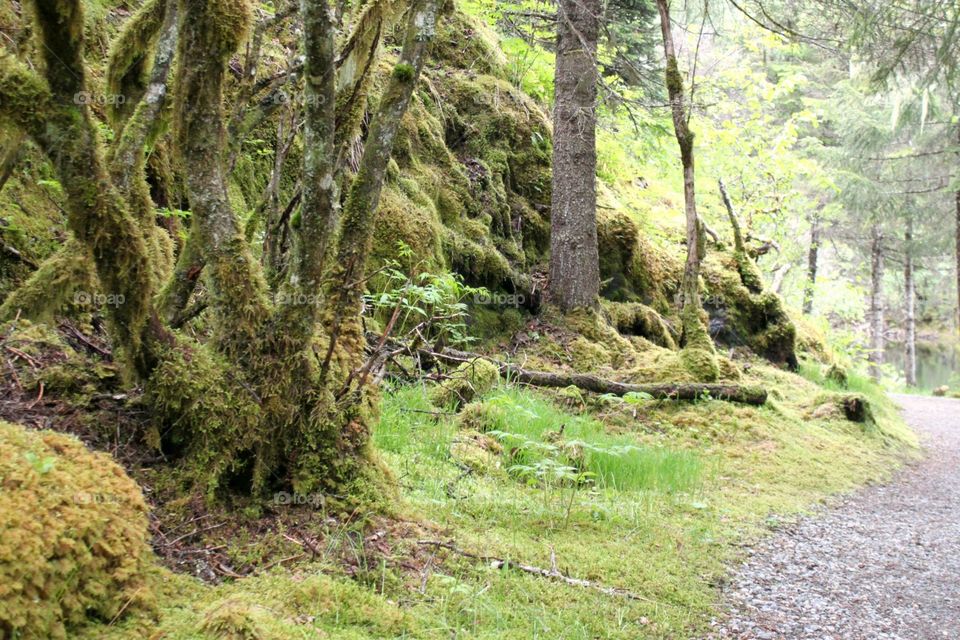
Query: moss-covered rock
73, 536
640, 320
481, 417
632, 268
468, 381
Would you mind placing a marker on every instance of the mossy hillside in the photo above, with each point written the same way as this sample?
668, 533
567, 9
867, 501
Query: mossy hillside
74, 536
470, 183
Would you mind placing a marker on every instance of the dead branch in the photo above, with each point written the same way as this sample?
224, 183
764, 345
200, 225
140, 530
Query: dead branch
551, 574
744, 394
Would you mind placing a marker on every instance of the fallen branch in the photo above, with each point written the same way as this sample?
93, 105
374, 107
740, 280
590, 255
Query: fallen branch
661, 391
552, 574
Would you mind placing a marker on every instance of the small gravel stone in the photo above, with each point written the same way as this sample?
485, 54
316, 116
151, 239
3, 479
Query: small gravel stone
882, 565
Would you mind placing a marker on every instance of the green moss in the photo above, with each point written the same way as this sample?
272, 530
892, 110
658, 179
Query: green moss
838, 375
468, 381
403, 72
74, 546
640, 320
587, 355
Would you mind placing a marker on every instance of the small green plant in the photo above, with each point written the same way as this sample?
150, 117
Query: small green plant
43, 466
422, 306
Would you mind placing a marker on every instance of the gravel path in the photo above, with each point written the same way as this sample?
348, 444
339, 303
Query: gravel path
883, 564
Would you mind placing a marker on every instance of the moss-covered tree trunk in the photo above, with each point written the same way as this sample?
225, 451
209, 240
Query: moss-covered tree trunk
48, 109
574, 257
699, 353
347, 282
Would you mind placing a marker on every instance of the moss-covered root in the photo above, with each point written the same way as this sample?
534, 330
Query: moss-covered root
66, 275
698, 355
73, 536
640, 320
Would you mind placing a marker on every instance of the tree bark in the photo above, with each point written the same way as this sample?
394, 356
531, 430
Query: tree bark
574, 257
813, 264
957, 250
694, 331
910, 296
876, 302
356, 238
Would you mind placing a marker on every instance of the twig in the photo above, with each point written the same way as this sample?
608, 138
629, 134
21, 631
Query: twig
552, 574
193, 533
39, 397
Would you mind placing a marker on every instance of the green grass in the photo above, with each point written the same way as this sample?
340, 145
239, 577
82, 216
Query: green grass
675, 490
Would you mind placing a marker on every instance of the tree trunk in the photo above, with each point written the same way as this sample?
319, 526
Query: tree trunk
813, 264
574, 257
344, 305
693, 329
876, 302
910, 295
957, 196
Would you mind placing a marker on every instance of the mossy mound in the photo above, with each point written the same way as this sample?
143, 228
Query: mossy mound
742, 318
73, 546
638, 319
468, 381
632, 268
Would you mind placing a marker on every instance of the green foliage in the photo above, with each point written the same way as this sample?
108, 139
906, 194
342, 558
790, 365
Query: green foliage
421, 305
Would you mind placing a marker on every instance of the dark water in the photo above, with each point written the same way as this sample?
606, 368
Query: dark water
937, 362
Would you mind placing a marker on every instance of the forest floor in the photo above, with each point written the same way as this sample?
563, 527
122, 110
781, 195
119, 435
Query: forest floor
883, 563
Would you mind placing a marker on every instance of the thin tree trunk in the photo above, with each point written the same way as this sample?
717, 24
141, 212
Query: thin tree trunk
813, 264
876, 302
313, 236
690, 285
344, 305
238, 290
574, 257
778, 277
957, 195
910, 295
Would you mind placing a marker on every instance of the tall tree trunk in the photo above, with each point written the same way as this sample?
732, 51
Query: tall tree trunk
910, 295
876, 302
813, 264
690, 285
574, 257
957, 195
